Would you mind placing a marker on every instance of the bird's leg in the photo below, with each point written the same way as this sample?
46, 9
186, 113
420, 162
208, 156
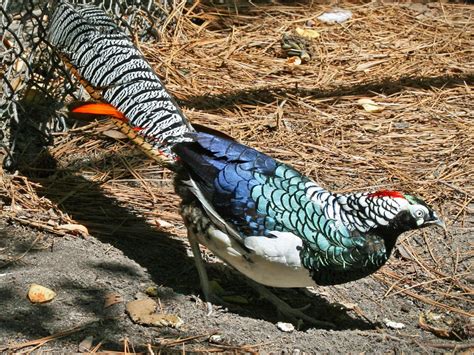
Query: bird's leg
201, 268
296, 315
209, 296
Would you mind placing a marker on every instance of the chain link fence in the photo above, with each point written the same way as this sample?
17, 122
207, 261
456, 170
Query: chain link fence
34, 82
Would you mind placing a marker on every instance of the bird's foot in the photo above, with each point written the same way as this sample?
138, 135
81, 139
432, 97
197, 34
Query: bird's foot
296, 315
214, 300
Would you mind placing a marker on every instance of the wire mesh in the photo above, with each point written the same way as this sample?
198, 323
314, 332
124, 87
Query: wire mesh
34, 82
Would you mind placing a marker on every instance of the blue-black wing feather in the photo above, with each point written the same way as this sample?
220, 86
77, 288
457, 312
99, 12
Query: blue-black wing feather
225, 172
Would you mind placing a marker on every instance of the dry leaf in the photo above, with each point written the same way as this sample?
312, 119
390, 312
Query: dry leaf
113, 133
111, 299
293, 61
307, 32
143, 306
40, 294
71, 227
143, 312
369, 105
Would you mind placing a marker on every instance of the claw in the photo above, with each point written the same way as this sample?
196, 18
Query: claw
209, 309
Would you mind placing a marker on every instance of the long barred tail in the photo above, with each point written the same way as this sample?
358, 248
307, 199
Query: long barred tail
113, 70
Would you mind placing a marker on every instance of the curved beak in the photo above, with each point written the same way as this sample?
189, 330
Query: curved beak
437, 222
433, 219
440, 223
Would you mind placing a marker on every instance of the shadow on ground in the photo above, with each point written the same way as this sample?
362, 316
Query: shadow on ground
271, 94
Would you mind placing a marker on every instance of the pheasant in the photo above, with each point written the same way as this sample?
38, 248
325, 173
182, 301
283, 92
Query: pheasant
260, 216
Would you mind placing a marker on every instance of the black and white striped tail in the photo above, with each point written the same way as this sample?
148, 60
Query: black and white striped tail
116, 72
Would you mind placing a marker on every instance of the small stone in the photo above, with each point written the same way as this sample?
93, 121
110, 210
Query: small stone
216, 339
285, 327
393, 325
40, 294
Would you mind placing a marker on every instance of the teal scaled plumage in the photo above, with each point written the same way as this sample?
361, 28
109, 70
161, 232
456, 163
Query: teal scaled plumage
328, 246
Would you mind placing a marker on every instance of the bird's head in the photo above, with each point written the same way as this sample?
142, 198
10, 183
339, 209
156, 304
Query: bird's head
397, 213
419, 214
400, 212
386, 214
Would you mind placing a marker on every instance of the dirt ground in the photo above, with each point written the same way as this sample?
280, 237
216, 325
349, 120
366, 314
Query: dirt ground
230, 74
83, 271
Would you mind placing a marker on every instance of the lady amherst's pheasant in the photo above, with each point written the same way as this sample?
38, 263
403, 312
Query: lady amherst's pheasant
262, 217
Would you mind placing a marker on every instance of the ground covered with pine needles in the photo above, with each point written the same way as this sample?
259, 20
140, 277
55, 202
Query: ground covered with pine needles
226, 67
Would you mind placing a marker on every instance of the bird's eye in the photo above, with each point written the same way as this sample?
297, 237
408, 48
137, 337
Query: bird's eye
419, 213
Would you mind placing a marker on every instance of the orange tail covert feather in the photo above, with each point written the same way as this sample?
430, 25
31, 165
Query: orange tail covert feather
100, 108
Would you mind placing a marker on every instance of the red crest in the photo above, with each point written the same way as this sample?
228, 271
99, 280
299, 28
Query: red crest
387, 193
